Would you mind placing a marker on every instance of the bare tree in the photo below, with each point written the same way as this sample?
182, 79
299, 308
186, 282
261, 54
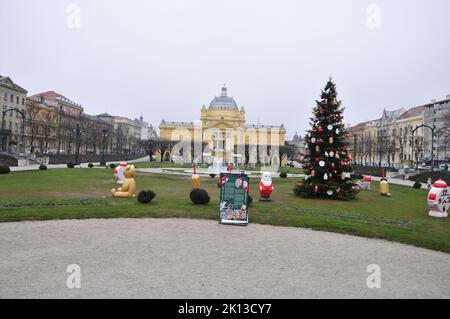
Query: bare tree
418, 149
383, 143
32, 123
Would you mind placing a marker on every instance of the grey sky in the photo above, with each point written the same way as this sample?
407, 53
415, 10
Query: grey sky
164, 59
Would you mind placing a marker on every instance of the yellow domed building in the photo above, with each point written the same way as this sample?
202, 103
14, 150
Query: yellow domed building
223, 128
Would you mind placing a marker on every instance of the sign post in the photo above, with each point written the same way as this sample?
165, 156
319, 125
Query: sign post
233, 206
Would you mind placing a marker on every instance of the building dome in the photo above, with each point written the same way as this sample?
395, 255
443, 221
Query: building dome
223, 101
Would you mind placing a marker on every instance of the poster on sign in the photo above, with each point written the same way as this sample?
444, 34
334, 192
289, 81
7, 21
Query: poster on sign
233, 206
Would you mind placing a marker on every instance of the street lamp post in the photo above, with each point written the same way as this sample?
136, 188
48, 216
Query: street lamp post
432, 128
105, 134
77, 145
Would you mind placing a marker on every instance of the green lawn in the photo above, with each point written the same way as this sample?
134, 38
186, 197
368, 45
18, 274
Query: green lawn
84, 193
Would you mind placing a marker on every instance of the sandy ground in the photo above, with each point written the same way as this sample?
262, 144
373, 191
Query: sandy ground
178, 258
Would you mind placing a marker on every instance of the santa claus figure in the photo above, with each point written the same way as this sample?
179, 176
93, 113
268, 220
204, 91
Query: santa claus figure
265, 186
120, 176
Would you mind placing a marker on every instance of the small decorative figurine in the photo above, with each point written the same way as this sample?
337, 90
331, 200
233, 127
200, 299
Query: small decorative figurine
120, 176
195, 179
265, 186
128, 188
439, 200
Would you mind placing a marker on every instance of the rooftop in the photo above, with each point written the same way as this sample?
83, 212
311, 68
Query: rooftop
259, 126
163, 122
393, 115
223, 101
15, 86
55, 96
415, 111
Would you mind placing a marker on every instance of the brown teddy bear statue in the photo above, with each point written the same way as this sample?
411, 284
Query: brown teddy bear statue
128, 188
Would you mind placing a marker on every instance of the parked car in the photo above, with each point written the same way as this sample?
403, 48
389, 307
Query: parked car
444, 167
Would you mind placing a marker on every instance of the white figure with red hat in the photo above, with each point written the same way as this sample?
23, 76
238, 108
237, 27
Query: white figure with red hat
439, 199
265, 186
120, 176
366, 183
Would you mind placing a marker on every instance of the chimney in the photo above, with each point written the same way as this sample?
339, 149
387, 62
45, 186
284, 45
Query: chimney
448, 97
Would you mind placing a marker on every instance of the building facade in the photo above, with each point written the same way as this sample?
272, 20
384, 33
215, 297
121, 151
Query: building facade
125, 135
437, 116
225, 135
403, 137
59, 133
13, 107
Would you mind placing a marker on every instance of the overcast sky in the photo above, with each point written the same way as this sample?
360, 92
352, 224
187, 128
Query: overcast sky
164, 59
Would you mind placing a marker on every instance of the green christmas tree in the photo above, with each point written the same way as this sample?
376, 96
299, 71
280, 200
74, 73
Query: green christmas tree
327, 164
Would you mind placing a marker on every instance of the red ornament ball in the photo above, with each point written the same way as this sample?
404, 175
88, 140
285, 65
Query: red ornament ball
320, 129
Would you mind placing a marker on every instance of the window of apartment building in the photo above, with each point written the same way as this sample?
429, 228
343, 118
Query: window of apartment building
5, 97
11, 99
10, 125
17, 99
23, 101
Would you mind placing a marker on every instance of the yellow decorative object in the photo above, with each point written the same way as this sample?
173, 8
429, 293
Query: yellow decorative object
337, 156
195, 182
331, 140
384, 188
128, 188
313, 173
317, 148
343, 176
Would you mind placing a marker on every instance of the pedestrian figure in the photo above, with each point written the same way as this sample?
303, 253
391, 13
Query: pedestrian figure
429, 183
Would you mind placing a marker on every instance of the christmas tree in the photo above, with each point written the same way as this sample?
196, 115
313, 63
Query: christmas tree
327, 164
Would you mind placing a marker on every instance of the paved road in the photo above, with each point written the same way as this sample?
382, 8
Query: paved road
35, 167
159, 258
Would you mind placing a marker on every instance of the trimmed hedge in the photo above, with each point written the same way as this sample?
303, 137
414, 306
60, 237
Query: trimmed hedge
112, 166
283, 175
199, 196
70, 165
42, 167
146, 196
90, 165
423, 177
249, 200
417, 185
4, 169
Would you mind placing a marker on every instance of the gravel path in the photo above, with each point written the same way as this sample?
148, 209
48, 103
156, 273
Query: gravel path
178, 258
